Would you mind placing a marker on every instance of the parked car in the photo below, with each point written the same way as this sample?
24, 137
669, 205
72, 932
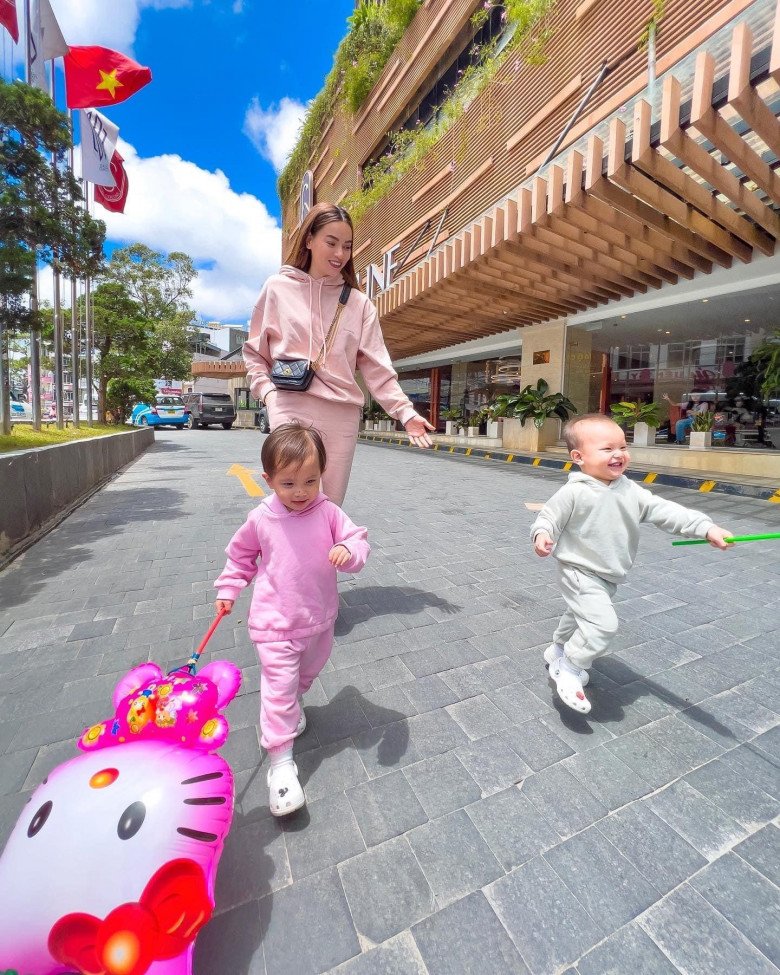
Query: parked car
20, 410
261, 420
209, 408
166, 411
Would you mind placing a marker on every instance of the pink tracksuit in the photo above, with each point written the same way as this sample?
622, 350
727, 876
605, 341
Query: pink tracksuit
295, 600
290, 321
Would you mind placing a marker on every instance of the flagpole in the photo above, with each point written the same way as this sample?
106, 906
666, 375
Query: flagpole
88, 337
59, 336
75, 339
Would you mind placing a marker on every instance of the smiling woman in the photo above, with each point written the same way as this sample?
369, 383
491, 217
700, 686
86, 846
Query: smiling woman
311, 329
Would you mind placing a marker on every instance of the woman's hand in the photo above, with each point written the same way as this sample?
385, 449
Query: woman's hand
418, 428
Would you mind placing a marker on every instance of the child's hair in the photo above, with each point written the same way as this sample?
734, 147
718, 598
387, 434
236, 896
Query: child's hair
572, 435
291, 445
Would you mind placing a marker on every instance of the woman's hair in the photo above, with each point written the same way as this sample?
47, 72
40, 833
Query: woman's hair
318, 217
291, 445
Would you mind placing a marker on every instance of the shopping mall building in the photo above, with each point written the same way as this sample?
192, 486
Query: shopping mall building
604, 217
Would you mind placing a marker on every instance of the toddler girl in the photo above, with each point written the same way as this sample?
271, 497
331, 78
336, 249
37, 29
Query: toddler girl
293, 542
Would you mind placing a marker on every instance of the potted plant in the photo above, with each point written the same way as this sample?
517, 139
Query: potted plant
475, 422
494, 423
451, 417
642, 418
701, 430
374, 412
536, 404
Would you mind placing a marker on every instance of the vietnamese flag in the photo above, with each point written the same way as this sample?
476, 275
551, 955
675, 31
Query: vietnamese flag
114, 197
8, 18
97, 76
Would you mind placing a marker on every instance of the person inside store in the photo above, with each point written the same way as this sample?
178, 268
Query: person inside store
687, 412
311, 330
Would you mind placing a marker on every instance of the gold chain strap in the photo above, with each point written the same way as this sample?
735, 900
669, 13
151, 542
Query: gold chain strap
327, 345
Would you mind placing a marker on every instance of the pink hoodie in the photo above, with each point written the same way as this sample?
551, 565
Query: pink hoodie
295, 592
290, 321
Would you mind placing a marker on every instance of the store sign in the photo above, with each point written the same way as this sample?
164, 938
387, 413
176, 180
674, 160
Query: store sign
376, 279
306, 201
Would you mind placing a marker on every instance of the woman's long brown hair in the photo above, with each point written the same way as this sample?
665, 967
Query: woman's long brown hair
318, 217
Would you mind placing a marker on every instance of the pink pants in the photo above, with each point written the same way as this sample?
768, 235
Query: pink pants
336, 423
288, 668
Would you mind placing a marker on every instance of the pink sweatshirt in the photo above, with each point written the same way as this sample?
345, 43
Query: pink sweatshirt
290, 321
295, 592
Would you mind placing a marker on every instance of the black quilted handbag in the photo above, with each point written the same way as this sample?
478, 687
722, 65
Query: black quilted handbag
296, 374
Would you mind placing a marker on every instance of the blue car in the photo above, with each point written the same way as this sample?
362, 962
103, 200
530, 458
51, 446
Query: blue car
166, 411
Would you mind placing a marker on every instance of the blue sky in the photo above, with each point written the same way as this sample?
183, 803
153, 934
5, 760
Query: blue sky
204, 142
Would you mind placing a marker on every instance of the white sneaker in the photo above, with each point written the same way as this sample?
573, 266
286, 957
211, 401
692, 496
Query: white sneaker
301, 726
555, 652
285, 792
568, 685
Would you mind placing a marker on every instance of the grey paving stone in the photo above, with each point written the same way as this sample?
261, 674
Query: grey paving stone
321, 835
231, 941
757, 767
467, 937
651, 761
530, 902
659, 853
732, 793
563, 801
769, 743
512, 827
435, 732
47, 759
762, 852
424, 662
627, 950
14, 770
454, 857
478, 717
608, 886
696, 819
492, 763
611, 781
254, 863
386, 889
518, 703
579, 732
340, 718
684, 740
442, 784
698, 939
429, 693
333, 768
398, 956
537, 744
383, 749
748, 711
746, 898
307, 927
242, 749
385, 807
386, 672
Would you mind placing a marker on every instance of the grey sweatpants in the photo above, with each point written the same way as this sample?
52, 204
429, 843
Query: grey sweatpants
590, 622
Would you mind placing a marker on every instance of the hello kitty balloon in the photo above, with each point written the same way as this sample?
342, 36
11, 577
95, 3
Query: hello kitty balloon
110, 869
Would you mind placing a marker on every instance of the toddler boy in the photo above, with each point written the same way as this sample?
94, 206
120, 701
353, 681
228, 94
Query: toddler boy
592, 525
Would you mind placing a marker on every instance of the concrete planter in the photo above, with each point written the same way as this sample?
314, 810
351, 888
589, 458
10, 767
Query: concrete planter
700, 439
644, 436
472, 431
494, 428
450, 427
529, 438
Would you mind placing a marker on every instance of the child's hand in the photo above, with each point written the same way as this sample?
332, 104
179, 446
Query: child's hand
543, 544
339, 555
224, 606
716, 537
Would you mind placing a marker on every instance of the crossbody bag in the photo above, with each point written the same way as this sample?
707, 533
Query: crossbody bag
296, 374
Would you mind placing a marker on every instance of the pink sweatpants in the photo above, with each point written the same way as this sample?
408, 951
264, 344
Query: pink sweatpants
288, 668
336, 423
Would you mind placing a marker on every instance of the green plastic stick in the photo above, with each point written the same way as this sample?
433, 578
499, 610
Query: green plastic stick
736, 538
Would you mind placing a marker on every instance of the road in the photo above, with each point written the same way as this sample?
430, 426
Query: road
458, 821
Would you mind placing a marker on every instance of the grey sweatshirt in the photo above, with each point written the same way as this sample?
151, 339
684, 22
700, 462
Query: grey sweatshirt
595, 526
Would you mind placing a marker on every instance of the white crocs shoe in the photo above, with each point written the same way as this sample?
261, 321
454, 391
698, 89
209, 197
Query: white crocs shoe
568, 685
555, 652
285, 792
301, 726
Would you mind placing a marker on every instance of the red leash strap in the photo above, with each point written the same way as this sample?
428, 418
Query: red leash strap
193, 661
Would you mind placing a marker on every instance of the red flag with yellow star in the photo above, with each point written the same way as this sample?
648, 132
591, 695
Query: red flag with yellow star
97, 76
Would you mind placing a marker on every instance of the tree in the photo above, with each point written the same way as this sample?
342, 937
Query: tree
121, 338
121, 394
159, 283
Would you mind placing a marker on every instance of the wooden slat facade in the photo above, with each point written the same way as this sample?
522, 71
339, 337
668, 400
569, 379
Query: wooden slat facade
642, 206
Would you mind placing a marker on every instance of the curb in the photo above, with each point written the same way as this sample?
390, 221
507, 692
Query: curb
690, 481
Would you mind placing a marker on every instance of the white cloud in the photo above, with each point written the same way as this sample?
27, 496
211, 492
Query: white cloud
175, 205
274, 131
108, 23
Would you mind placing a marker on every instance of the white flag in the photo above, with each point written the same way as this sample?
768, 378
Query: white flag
98, 142
45, 41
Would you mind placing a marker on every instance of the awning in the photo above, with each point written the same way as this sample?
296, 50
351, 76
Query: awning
636, 209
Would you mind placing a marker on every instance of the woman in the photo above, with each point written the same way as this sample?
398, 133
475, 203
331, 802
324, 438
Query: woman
296, 318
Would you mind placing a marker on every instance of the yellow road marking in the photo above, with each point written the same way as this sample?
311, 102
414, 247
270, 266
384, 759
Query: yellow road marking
775, 499
649, 478
568, 465
707, 486
487, 456
510, 458
248, 483
536, 461
468, 451
452, 450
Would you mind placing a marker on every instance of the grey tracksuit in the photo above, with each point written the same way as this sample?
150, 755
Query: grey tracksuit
595, 527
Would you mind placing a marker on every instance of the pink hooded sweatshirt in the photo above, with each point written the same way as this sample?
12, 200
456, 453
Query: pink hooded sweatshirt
291, 320
295, 592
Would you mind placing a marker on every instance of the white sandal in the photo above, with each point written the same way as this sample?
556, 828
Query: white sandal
285, 792
555, 652
568, 685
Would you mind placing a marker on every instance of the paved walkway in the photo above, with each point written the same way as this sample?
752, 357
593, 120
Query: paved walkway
458, 821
